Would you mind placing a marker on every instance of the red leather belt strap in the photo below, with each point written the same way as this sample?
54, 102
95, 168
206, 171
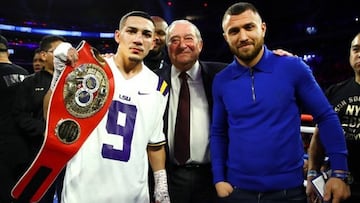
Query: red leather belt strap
80, 100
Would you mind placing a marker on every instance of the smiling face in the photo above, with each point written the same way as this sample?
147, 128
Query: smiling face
135, 39
160, 32
184, 45
245, 34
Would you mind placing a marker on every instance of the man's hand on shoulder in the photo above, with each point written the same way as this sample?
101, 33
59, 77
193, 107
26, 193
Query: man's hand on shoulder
282, 52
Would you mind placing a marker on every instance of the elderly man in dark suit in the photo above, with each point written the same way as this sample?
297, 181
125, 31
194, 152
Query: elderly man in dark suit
190, 177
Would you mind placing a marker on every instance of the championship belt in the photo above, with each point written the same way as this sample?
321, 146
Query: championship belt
79, 101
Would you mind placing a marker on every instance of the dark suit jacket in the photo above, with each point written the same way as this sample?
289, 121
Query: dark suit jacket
208, 72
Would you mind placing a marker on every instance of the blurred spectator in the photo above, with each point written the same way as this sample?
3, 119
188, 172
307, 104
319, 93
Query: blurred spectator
156, 59
345, 99
28, 108
38, 61
13, 147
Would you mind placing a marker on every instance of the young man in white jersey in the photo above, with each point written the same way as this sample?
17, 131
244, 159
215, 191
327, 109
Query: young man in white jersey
112, 164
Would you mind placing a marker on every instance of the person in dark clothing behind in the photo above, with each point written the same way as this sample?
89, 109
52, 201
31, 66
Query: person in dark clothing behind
13, 147
38, 61
28, 109
157, 57
345, 99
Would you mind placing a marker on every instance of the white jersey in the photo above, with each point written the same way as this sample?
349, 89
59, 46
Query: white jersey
112, 164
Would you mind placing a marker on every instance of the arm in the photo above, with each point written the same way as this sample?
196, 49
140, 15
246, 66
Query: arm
316, 156
63, 54
316, 152
26, 109
335, 188
331, 135
157, 158
46, 103
218, 142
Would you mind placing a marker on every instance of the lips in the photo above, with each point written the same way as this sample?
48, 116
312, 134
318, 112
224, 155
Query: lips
245, 45
136, 50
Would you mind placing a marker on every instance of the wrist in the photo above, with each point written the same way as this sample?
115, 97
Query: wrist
160, 177
312, 173
343, 175
160, 172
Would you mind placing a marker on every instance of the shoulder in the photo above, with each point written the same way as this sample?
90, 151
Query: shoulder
293, 67
213, 65
226, 70
211, 68
284, 60
160, 84
166, 69
335, 87
11, 68
164, 72
29, 77
20, 69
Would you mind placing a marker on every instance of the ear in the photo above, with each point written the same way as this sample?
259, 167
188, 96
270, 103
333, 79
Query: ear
224, 35
153, 43
117, 36
263, 28
201, 43
43, 55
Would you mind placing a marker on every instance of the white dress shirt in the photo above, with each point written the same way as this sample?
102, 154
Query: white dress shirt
199, 115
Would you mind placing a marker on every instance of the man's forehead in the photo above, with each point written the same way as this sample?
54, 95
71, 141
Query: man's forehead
356, 41
245, 17
137, 21
182, 28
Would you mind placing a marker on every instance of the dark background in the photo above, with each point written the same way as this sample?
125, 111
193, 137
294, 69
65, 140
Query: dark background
336, 22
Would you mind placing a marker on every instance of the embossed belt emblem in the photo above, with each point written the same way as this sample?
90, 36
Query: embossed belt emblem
86, 89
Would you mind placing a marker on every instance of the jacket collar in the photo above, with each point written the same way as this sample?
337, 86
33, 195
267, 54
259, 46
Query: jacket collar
262, 66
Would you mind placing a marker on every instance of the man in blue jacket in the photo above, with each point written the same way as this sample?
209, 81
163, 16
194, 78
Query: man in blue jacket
255, 142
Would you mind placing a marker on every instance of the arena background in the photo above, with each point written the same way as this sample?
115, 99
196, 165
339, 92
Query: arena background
317, 30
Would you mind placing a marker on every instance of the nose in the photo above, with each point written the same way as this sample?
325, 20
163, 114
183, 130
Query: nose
157, 37
138, 37
182, 43
242, 35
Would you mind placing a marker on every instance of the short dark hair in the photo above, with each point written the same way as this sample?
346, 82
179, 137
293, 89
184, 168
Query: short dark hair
37, 50
135, 13
45, 43
239, 8
3, 44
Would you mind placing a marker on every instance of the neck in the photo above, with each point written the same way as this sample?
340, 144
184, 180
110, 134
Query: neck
253, 61
128, 68
4, 59
154, 54
49, 70
357, 78
184, 66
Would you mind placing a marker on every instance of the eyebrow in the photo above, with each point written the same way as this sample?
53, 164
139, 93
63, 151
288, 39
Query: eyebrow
136, 28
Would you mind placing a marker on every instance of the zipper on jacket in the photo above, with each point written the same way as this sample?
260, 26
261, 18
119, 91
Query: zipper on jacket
252, 84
